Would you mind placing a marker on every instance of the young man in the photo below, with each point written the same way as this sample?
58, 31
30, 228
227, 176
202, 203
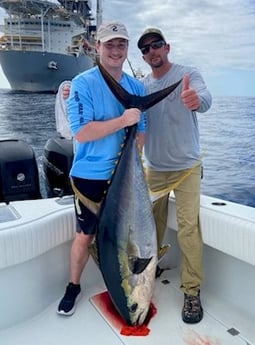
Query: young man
173, 158
98, 123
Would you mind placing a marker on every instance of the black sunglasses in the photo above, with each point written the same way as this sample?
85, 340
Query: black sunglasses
154, 45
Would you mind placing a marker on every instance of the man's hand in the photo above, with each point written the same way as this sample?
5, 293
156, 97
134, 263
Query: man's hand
66, 91
189, 96
131, 116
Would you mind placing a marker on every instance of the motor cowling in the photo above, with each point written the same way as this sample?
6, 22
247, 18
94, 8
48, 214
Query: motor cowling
57, 162
19, 178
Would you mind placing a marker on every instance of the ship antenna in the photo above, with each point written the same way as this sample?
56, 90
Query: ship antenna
131, 67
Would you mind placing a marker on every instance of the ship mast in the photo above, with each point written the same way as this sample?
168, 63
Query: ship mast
79, 9
99, 13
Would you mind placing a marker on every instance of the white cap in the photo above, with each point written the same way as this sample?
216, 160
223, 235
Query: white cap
111, 30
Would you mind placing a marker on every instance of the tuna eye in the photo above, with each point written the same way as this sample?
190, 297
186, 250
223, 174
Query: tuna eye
134, 307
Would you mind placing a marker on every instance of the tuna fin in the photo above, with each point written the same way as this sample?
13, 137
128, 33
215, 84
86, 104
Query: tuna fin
138, 265
133, 101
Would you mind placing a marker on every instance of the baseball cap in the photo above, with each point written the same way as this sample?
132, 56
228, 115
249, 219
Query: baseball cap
109, 30
150, 32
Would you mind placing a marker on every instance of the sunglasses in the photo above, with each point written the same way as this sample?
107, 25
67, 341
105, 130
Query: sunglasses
154, 45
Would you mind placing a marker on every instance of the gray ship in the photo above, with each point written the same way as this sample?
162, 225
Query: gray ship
45, 43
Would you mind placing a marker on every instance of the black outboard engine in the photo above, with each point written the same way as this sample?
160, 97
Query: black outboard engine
57, 162
19, 179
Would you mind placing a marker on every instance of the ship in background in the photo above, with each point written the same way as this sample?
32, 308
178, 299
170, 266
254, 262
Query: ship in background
45, 43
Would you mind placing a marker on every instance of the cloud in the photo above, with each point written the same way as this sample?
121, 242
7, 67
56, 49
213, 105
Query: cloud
207, 34
216, 36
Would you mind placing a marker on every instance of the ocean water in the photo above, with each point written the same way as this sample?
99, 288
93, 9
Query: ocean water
228, 148
227, 139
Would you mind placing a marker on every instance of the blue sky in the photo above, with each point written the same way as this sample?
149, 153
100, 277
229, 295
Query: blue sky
216, 36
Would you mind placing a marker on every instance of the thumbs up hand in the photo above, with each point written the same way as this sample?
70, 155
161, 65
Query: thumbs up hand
189, 96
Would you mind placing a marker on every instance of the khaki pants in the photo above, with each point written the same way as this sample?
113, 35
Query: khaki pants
187, 196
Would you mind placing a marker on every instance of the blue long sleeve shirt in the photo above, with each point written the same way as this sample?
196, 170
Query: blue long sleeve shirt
91, 100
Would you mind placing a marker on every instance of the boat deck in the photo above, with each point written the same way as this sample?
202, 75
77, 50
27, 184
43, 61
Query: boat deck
89, 324
34, 268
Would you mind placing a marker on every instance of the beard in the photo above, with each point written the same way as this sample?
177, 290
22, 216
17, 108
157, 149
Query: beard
156, 62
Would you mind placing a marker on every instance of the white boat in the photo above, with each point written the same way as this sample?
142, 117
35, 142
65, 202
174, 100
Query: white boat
35, 238
45, 43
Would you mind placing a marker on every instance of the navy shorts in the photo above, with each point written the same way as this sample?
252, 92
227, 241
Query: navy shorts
94, 190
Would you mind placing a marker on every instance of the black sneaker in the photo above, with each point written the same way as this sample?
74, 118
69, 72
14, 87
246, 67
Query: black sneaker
67, 304
192, 311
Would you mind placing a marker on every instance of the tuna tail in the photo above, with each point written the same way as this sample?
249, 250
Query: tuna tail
133, 101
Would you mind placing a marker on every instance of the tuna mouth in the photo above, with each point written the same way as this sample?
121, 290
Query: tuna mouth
138, 321
141, 318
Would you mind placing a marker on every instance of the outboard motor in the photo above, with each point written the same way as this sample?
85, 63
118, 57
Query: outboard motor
57, 162
19, 178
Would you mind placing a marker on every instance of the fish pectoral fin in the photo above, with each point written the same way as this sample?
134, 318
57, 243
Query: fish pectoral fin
138, 265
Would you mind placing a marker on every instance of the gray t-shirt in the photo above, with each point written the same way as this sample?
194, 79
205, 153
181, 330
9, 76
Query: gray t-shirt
172, 137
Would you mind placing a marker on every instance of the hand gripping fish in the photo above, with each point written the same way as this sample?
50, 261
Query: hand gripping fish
126, 234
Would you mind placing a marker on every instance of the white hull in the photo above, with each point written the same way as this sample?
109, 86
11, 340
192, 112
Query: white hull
34, 265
